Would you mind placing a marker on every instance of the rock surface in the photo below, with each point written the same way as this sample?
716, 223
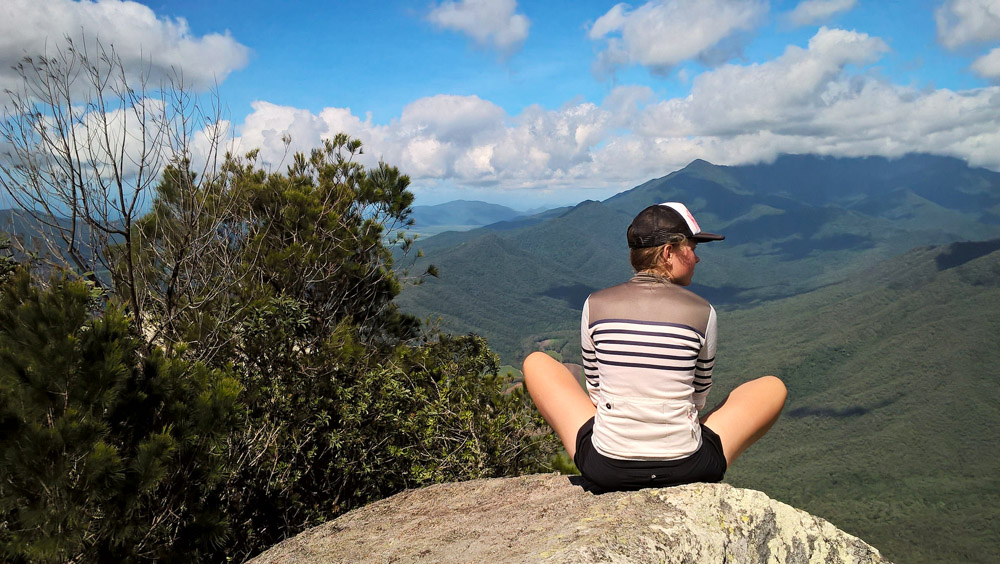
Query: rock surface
552, 518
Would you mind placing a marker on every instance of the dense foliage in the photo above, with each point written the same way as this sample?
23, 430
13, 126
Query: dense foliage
792, 226
271, 385
892, 381
891, 365
106, 454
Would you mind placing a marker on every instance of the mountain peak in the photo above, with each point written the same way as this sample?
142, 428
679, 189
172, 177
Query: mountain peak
698, 164
698, 167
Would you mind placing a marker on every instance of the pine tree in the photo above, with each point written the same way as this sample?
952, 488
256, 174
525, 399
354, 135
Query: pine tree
106, 455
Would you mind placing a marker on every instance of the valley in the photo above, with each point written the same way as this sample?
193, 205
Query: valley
870, 286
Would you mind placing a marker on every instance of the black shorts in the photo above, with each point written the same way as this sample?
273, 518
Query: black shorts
707, 464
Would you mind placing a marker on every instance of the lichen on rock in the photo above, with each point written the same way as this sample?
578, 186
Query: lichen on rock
555, 518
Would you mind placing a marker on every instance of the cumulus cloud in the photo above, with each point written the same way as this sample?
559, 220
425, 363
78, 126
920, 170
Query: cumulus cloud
491, 23
267, 126
661, 34
158, 45
967, 21
808, 101
820, 98
460, 119
988, 66
461, 139
810, 12
783, 93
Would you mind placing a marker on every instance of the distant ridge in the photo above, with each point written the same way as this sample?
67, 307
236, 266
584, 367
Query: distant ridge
459, 215
462, 212
799, 223
887, 371
892, 378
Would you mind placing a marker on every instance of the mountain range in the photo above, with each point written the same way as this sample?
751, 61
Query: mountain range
894, 381
791, 226
459, 215
870, 286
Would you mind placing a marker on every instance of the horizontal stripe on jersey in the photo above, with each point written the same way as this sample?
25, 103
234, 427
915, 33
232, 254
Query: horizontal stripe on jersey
648, 351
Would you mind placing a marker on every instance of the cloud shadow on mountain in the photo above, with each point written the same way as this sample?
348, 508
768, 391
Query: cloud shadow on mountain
961, 253
842, 413
574, 294
795, 249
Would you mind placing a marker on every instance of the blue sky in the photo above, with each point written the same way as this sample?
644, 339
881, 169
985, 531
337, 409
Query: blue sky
549, 102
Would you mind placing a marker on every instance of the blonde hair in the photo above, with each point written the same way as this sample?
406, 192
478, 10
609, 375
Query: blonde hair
650, 259
647, 258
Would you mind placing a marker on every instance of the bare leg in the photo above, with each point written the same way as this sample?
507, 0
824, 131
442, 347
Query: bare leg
746, 414
558, 397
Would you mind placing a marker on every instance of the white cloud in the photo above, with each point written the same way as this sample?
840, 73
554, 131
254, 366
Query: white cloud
451, 118
807, 101
820, 99
463, 139
268, 124
967, 21
140, 38
661, 34
781, 94
610, 22
130, 145
810, 12
491, 23
988, 66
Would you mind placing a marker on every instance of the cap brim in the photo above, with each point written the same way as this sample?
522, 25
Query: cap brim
706, 237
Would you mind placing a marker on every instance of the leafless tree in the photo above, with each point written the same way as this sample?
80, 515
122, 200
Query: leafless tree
124, 179
83, 143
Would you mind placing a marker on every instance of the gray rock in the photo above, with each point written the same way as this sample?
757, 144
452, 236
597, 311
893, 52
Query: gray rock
550, 518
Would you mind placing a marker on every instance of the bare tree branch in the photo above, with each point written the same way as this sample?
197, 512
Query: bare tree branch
83, 143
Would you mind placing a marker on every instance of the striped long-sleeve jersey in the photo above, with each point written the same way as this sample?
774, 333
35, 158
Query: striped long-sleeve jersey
648, 353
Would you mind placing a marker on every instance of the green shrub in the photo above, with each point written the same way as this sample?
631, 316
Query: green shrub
106, 454
271, 384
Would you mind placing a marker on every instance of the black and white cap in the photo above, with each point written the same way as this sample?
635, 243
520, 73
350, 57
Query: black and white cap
664, 223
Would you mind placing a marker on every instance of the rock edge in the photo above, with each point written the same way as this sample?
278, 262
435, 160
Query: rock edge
553, 518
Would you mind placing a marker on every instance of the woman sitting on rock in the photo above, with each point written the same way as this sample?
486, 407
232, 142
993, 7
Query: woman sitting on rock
648, 352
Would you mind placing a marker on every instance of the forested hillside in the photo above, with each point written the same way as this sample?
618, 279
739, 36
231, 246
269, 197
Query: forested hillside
792, 226
868, 285
458, 215
200, 358
894, 379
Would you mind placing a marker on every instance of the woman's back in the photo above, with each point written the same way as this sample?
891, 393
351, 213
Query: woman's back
648, 350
